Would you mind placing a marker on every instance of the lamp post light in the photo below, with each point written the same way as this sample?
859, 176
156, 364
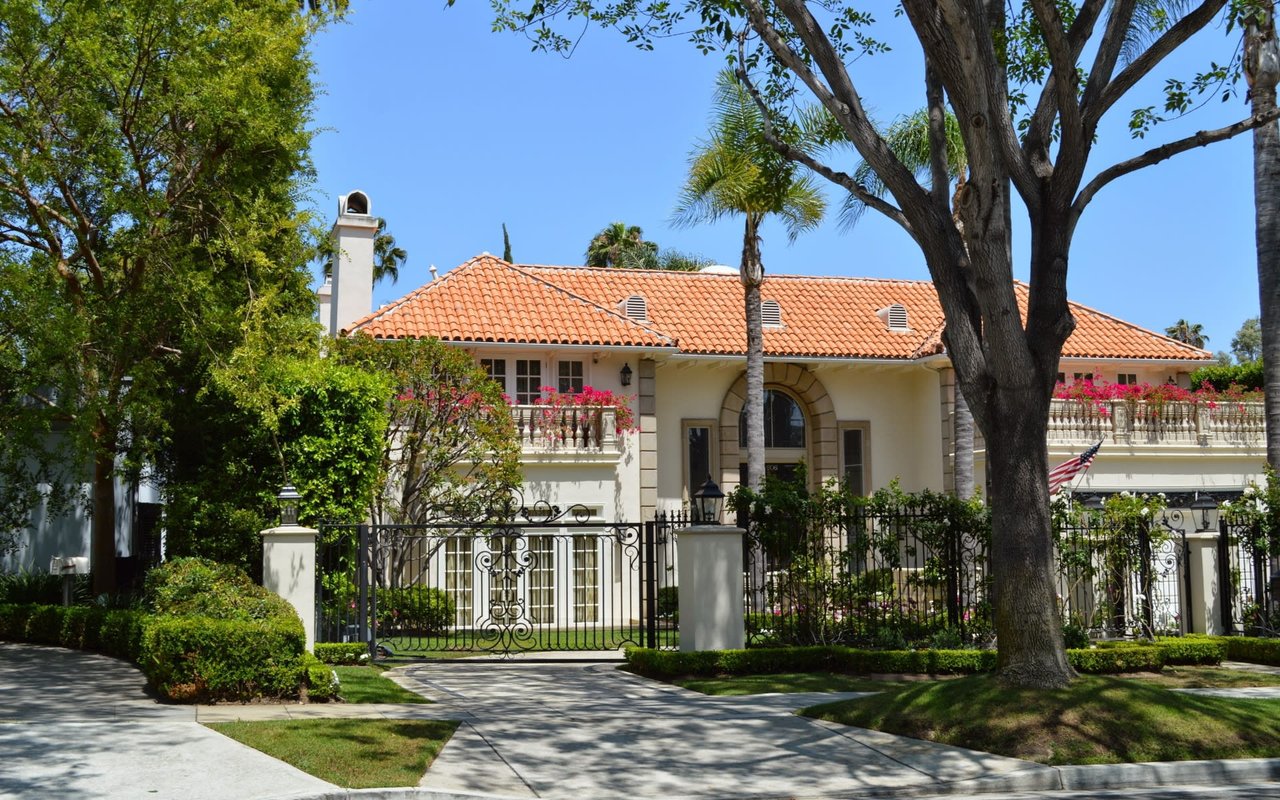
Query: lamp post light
1208, 508
706, 503
288, 498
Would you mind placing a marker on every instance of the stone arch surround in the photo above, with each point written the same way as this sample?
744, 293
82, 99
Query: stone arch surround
823, 457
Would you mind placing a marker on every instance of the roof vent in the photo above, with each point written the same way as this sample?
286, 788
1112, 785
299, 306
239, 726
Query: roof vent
719, 269
355, 203
894, 316
771, 314
635, 307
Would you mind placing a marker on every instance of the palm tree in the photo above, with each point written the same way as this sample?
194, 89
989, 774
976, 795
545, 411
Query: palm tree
387, 256
908, 138
1262, 68
1187, 333
621, 245
736, 172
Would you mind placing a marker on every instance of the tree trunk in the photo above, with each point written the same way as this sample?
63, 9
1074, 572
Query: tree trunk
103, 524
752, 275
1263, 66
1031, 649
962, 430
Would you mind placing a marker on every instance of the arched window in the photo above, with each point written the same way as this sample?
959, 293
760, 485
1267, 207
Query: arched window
783, 421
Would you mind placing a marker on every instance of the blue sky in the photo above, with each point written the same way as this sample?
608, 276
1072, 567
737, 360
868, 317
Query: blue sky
453, 130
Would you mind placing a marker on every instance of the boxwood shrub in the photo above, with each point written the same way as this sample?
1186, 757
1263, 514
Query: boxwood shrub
1111, 660
200, 658
1252, 649
341, 652
1196, 650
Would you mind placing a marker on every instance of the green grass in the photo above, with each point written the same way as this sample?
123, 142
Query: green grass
1177, 677
788, 682
1098, 719
368, 685
352, 753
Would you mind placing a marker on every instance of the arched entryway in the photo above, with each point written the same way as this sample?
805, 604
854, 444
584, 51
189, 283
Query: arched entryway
793, 389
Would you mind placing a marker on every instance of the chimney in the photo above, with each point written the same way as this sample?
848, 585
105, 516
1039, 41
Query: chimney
353, 235
324, 295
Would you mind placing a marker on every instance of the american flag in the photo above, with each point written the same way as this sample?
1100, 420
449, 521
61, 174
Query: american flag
1069, 469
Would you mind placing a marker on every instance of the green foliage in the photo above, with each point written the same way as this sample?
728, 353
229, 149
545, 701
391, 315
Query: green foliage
1112, 660
1253, 650
1179, 650
1254, 517
414, 610
321, 680
116, 632
450, 448
666, 664
341, 652
1246, 376
1246, 345
39, 587
194, 659
669, 601
199, 587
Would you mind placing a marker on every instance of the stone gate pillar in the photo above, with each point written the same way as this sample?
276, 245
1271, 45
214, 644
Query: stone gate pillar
289, 570
712, 607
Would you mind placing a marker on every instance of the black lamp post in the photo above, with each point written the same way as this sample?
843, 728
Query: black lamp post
288, 498
706, 503
1207, 507
625, 375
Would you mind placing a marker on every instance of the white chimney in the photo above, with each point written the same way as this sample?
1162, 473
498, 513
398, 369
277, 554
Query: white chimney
324, 295
353, 235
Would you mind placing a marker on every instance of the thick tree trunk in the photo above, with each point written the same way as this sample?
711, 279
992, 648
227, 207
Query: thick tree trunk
962, 430
1263, 65
103, 524
1031, 650
752, 275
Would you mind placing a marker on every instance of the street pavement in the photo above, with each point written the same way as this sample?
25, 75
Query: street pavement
80, 725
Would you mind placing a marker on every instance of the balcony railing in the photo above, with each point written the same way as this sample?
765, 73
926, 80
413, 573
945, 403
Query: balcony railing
1224, 423
583, 429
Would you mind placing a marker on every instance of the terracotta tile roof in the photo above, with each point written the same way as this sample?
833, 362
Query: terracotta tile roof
488, 300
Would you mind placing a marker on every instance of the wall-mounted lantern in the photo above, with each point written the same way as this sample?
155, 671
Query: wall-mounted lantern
625, 375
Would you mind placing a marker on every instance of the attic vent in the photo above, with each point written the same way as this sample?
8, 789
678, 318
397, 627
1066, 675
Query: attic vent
636, 308
894, 316
771, 314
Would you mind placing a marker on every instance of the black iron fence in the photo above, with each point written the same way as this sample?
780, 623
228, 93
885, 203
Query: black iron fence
543, 580
1246, 565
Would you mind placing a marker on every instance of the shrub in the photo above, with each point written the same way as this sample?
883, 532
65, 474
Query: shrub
669, 602
44, 625
423, 610
199, 658
665, 664
1181, 650
1253, 650
200, 587
13, 621
40, 588
341, 652
1111, 660
120, 634
321, 680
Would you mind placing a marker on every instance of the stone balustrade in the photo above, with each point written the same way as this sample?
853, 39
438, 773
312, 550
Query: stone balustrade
570, 429
1141, 422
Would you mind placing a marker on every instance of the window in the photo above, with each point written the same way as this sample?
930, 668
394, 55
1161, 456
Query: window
457, 577
586, 578
528, 381
853, 456
1062, 377
1127, 379
496, 369
1082, 376
542, 580
699, 449
783, 421
570, 377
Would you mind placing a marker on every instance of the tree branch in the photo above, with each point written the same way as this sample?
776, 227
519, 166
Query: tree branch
1165, 151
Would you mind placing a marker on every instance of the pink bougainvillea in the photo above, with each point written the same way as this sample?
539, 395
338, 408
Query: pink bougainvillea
1098, 393
590, 397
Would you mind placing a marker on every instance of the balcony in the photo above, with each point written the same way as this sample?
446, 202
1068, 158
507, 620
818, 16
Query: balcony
571, 431
1224, 424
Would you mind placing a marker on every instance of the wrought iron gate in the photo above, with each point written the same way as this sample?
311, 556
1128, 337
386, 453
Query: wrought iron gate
539, 579
1247, 567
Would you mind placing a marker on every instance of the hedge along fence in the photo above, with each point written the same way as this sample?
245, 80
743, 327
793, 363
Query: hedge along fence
665, 664
216, 635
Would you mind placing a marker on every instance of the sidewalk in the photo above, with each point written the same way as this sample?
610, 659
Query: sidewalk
80, 725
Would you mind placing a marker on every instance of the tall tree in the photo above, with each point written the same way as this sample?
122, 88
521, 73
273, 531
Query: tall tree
621, 245
1030, 84
1187, 333
1246, 345
150, 157
1262, 68
506, 245
735, 172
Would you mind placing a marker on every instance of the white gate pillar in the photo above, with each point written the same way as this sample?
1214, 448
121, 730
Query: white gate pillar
1207, 597
712, 609
289, 570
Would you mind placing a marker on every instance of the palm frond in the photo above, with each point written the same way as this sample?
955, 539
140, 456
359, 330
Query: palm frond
1150, 19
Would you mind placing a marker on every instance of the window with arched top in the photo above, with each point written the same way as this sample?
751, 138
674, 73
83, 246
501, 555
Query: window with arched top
784, 422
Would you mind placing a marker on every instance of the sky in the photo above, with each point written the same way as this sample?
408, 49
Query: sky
453, 130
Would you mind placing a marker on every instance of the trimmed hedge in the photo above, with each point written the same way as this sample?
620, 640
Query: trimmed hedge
1253, 650
1184, 650
341, 652
1112, 660
198, 658
322, 680
116, 632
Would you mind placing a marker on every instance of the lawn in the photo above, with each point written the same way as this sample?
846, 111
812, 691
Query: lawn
1098, 719
352, 753
368, 685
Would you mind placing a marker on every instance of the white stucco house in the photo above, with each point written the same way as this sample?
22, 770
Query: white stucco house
859, 385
